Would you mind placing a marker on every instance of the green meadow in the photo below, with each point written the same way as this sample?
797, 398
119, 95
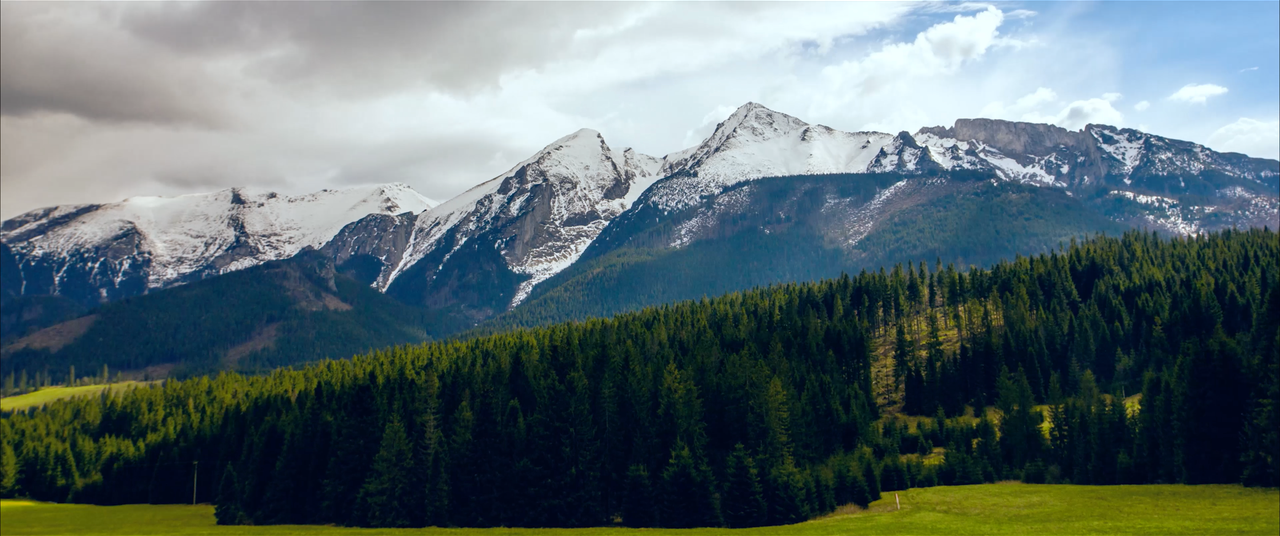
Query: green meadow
993, 509
49, 394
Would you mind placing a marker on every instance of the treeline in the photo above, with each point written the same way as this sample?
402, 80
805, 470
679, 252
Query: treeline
749, 409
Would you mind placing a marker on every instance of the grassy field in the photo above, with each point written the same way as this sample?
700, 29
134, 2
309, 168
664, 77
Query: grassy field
986, 509
49, 394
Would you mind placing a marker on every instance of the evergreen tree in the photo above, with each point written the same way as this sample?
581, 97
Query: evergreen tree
743, 503
688, 494
384, 498
227, 509
8, 470
1020, 436
639, 509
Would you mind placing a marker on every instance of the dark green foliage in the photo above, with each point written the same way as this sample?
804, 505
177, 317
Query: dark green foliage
227, 509
743, 504
656, 417
23, 315
8, 470
385, 499
687, 495
638, 507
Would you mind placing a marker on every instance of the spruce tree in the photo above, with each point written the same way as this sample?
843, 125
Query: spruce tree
688, 494
8, 470
638, 508
385, 497
226, 509
743, 503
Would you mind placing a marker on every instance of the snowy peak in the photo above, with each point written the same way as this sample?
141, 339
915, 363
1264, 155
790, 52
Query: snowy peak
750, 124
539, 216
753, 122
106, 251
756, 142
1053, 155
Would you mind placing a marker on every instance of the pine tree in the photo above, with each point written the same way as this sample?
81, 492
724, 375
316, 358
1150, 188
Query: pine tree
384, 497
688, 494
743, 503
8, 470
638, 509
227, 510
785, 494
1020, 436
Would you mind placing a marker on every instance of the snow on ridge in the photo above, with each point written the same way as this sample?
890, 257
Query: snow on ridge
1124, 145
183, 234
756, 142
581, 174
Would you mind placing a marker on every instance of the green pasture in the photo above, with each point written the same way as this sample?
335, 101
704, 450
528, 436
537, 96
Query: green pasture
49, 394
984, 509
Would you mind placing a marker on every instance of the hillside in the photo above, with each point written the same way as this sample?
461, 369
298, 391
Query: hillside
279, 313
755, 408
803, 229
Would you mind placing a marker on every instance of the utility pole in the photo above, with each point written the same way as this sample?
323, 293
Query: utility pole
195, 476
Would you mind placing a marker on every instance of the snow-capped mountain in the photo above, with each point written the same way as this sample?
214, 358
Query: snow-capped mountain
537, 218
1097, 153
94, 253
485, 250
756, 142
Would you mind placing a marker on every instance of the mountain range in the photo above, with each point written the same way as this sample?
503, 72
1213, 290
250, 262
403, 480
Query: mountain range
582, 229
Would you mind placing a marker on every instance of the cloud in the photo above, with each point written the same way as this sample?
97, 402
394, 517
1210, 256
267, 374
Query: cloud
1042, 95
1142, 106
1083, 112
1025, 104
1259, 139
100, 101
1197, 93
62, 60
104, 101
1247, 69
938, 51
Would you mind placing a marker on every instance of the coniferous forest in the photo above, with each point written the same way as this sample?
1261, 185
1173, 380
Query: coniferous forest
1137, 359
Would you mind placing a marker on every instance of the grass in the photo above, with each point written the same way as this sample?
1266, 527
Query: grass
986, 509
49, 394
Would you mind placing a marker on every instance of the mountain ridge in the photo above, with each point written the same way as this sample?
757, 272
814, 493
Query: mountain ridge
487, 250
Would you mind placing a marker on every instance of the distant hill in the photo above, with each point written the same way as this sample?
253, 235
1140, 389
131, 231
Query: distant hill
278, 313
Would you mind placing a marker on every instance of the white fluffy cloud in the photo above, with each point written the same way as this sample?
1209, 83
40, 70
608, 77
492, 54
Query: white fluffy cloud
1142, 106
1026, 105
1260, 139
1083, 112
1197, 93
942, 49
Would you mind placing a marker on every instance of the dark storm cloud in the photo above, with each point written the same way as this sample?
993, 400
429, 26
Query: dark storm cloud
186, 62
55, 62
213, 178
375, 47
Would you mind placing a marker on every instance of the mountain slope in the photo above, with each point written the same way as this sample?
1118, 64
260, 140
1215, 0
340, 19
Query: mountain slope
805, 228
485, 249
98, 253
278, 313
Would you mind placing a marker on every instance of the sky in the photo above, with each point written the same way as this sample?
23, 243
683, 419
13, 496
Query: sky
104, 101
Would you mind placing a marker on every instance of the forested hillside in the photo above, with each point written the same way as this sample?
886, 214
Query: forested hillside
796, 230
277, 314
753, 408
